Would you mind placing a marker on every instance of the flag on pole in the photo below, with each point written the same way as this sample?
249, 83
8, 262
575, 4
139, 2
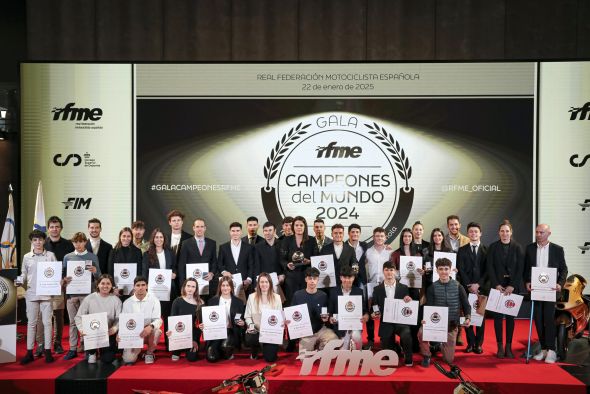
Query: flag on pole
8, 242
39, 223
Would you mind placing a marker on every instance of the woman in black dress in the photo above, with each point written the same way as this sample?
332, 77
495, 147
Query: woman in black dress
189, 303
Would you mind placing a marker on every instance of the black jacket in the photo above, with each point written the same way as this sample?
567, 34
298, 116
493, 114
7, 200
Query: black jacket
379, 295
506, 268
104, 251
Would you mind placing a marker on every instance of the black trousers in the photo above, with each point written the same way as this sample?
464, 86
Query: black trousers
389, 331
269, 350
107, 354
544, 314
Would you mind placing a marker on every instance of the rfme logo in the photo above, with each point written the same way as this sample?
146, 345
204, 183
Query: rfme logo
69, 112
582, 111
331, 151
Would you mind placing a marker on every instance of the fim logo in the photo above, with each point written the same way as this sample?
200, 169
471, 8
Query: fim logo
69, 112
585, 204
131, 324
582, 111
77, 203
179, 327
337, 152
435, 318
272, 320
585, 248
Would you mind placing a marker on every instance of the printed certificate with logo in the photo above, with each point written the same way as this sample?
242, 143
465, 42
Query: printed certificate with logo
95, 327
400, 312
182, 332
436, 323
543, 284
325, 264
300, 324
159, 283
239, 287
409, 276
440, 255
130, 327
350, 312
214, 322
81, 278
502, 303
271, 326
48, 278
476, 318
199, 271
124, 276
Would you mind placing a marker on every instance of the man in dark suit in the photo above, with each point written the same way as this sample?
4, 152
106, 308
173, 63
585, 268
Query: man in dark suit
287, 227
360, 249
347, 276
236, 256
320, 238
252, 236
343, 253
391, 288
199, 250
473, 275
98, 246
267, 254
177, 235
545, 254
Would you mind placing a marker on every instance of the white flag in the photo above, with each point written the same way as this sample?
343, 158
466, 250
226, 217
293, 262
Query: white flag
39, 223
8, 242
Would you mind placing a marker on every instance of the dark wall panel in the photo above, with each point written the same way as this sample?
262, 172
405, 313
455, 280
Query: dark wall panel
61, 29
264, 30
198, 30
332, 30
583, 41
470, 29
541, 29
400, 30
129, 30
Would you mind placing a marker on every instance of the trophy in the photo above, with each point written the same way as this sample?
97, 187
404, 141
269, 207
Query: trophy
355, 268
298, 258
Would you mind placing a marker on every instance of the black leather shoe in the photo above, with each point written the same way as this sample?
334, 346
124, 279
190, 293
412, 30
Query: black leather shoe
478, 350
469, 349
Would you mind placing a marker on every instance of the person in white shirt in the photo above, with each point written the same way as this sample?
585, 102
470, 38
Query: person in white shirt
36, 304
148, 305
376, 255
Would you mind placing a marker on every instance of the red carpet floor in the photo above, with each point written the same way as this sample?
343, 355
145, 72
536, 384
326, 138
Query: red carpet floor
489, 373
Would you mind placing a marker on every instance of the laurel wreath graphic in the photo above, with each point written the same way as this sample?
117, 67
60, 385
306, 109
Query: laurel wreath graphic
273, 162
397, 153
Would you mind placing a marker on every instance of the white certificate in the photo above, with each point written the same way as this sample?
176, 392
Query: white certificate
502, 303
124, 276
48, 278
325, 264
300, 325
239, 287
350, 312
182, 332
214, 322
199, 271
450, 256
400, 312
95, 327
159, 283
408, 266
476, 318
543, 284
81, 278
436, 325
271, 326
130, 327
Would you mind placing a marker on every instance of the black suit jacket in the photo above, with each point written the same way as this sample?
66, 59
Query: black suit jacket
289, 246
347, 257
473, 270
104, 250
237, 306
189, 254
146, 265
379, 295
117, 256
183, 237
333, 303
506, 269
259, 239
244, 265
267, 258
556, 260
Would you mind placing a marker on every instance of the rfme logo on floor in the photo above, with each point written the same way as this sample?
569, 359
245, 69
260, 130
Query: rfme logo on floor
356, 362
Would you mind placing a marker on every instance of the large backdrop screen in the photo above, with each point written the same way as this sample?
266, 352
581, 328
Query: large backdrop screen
375, 144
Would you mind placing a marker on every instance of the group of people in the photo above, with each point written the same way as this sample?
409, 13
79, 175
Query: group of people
503, 265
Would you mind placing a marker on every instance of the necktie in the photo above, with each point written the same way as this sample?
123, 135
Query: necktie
252, 240
200, 246
473, 250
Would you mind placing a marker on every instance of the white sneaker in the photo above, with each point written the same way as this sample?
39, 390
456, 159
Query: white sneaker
92, 359
175, 357
540, 356
149, 358
551, 357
